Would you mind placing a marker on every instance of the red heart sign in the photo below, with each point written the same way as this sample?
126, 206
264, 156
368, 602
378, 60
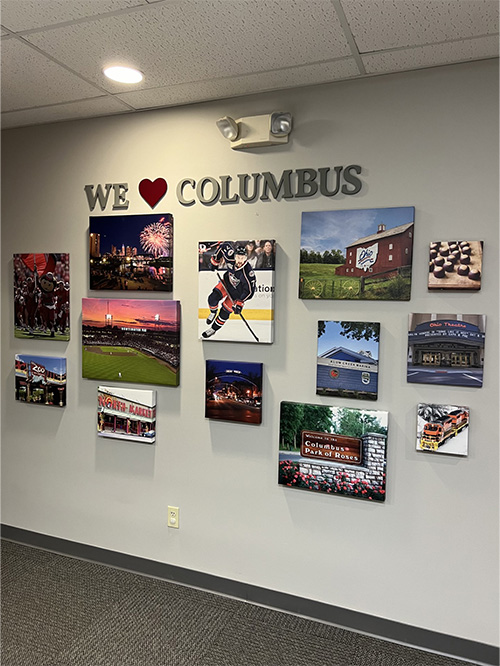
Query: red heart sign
153, 191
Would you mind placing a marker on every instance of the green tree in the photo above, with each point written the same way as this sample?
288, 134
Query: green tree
296, 417
337, 257
354, 423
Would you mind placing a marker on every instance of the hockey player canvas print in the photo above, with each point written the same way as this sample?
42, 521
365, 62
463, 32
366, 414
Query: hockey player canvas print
236, 290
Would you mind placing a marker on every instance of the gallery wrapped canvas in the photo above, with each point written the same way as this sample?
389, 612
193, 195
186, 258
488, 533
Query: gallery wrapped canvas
131, 252
455, 265
135, 341
443, 429
446, 349
41, 380
236, 290
333, 450
347, 363
233, 391
363, 254
124, 413
41, 296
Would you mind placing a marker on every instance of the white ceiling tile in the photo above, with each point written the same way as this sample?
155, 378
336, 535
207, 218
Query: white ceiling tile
189, 93
20, 15
200, 39
31, 79
100, 106
430, 56
386, 24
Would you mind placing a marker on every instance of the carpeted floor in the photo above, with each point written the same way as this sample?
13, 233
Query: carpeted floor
59, 611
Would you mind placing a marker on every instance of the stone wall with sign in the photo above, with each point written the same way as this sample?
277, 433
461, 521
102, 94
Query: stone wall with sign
372, 466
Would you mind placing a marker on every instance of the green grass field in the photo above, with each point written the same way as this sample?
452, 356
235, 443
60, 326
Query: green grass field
38, 335
320, 281
126, 365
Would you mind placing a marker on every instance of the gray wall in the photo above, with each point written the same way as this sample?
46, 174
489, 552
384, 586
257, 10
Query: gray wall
427, 557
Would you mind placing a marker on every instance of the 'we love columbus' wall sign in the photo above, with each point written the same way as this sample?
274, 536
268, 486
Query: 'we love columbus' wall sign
247, 188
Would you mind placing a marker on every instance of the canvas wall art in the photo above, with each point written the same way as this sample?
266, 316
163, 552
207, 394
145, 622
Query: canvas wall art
41, 380
233, 391
135, 341
124, 413
446, 349
41, 296
347, 362
363, 254
333, 450
443, 429
236, 290
131, 252
455, 265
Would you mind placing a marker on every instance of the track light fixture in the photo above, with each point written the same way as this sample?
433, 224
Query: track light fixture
270, 129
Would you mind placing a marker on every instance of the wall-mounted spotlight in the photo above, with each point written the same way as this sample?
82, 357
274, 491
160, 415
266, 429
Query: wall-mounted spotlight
270, 129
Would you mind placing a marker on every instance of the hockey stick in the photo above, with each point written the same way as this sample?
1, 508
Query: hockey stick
241, 315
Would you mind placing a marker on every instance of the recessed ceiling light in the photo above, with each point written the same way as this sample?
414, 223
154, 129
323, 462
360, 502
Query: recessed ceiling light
123, 74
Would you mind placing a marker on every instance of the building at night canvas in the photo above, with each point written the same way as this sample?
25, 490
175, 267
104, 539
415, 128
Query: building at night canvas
347, 362
131, 252
233, 391
333, 450
125, 413
446, 349
363, 254
41, 296
135, 341
41, 380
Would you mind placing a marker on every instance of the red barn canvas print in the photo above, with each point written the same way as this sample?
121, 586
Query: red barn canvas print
363, 254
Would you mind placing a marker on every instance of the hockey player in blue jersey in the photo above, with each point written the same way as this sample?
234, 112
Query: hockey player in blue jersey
235, 288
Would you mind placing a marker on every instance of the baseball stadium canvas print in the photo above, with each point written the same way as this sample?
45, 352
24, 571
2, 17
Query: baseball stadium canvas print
236, 290
134, 341
124, 413
363, 254
41, 296
347, 363
131, 252
41, 380
443, 429
234, 391
333, 450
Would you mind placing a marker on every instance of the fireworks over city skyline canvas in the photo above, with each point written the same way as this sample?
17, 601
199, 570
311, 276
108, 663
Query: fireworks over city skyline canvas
131, 252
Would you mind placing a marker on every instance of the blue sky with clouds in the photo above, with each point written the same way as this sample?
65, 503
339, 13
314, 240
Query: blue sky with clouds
332, 337
336, 229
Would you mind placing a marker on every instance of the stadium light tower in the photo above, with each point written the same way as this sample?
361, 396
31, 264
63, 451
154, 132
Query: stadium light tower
108, 317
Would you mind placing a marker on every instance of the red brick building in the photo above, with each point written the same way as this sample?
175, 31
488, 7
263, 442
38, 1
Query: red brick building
388, 249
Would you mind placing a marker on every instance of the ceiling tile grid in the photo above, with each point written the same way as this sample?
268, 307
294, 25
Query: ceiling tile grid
242, 85
387, 24
19, 15
89, 108
30, 79
53, 51
430, 56
202, 40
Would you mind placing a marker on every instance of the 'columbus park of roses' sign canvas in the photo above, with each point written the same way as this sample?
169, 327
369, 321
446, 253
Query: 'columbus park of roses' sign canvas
334, 450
